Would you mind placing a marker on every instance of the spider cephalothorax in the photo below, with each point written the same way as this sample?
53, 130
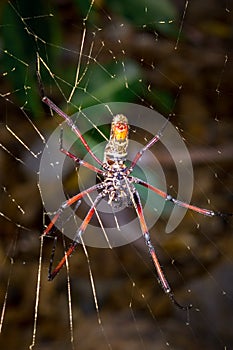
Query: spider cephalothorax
118, 189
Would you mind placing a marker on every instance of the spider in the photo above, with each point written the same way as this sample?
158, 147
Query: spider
117, 187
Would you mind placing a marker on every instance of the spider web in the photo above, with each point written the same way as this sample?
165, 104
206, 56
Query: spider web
171, 56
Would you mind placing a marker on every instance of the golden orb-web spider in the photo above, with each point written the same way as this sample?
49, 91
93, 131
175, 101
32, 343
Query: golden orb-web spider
117, 186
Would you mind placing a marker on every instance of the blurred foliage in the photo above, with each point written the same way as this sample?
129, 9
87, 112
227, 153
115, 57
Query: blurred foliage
154, 14
30, 27
20, 26
109, 85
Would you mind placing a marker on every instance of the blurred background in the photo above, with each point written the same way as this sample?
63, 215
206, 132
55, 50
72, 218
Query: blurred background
172, 56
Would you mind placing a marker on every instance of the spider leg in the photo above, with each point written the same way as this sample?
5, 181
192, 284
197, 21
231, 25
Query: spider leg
72, 125
168, 197
155, 139
75, 158
75, 242
161, 277
67, 204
